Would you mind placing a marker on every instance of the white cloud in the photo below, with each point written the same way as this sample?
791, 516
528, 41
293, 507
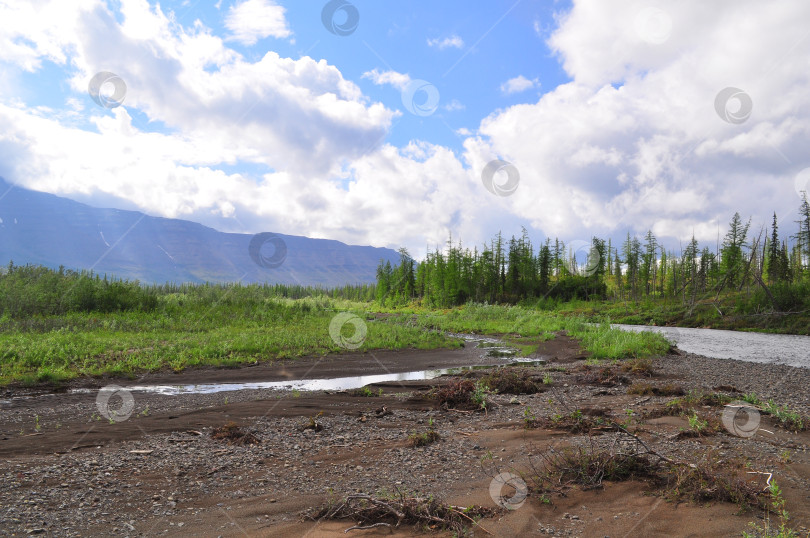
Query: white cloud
519, 84
454, 104
36, 31
252, 20
300, 118
453, 41
634, 140
397, 80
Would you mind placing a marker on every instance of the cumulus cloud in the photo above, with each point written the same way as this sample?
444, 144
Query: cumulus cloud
634, 139
251, 20
395, 79
287, 121
519, 84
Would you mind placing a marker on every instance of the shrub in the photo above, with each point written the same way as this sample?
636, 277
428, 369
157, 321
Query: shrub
463, 394
512, 381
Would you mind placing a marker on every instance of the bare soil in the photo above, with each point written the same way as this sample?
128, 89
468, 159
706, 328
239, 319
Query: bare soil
67, 471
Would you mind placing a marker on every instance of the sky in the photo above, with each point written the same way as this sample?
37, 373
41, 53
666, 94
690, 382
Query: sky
404, 123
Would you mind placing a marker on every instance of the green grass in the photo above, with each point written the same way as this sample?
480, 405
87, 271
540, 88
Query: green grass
786, 418
187, 332
601, 340
605, 342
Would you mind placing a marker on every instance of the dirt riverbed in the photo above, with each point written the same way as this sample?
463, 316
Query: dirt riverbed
68, 471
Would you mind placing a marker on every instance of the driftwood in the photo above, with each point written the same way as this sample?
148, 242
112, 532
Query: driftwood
369, 512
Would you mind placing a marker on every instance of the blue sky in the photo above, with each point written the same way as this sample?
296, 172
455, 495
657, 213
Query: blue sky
252, 115
502, 41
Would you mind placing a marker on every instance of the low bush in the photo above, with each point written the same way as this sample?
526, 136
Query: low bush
463, 394
511, 380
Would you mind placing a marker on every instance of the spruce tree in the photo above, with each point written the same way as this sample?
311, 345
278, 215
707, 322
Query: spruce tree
773, 265
732, 255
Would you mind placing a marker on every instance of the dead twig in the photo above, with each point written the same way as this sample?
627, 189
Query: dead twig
370, 512
358, 527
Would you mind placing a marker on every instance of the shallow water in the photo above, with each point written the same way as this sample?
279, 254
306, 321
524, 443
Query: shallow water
489, 346
787, 349
337, 383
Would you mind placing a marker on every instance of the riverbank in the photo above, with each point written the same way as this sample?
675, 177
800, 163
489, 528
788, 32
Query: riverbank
729, 312
69, 471
54, 350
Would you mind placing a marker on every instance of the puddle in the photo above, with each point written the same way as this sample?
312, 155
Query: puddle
6, 403
493, 347
336, 383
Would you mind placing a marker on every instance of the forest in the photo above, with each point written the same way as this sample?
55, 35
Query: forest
770, 267
33, 290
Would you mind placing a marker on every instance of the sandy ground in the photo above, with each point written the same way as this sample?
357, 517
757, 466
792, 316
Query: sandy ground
67, 471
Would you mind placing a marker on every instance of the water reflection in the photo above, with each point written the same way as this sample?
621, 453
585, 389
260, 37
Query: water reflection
338, 383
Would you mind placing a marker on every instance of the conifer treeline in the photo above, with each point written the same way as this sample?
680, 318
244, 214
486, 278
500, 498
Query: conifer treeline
512, 271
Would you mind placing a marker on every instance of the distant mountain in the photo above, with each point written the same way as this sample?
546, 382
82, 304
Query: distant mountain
45, 229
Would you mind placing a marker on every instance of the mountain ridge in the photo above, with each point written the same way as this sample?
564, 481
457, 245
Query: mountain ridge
50, 230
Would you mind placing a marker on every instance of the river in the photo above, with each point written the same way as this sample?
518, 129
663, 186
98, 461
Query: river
787, 349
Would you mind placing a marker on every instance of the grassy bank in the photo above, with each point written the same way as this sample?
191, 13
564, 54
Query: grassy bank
600, 339
186, 331
730, 312
220, 330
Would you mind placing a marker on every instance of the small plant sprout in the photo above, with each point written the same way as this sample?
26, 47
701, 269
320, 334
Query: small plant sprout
547, 380
424, 439
480, 393
528, 416
696, 423
36, 423
778, 507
